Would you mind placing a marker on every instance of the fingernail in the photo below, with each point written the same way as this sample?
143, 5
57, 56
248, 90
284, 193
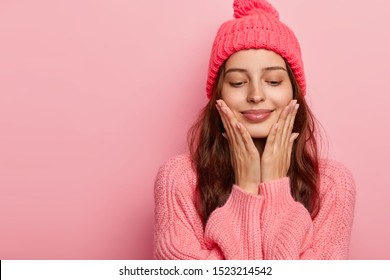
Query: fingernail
224, 134
296, 106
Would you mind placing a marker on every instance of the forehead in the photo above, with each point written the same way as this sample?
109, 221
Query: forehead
254, 58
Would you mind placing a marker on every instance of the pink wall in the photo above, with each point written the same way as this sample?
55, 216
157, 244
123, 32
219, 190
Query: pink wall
96, 95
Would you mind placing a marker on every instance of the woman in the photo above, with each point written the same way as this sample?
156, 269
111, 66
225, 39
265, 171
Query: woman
253, 186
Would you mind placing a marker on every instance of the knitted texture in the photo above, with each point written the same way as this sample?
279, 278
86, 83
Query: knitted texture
256, 26
271, 225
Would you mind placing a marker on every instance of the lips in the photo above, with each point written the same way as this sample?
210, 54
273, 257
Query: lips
257, 115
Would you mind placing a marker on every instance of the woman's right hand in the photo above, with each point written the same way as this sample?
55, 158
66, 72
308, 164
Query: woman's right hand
244, 155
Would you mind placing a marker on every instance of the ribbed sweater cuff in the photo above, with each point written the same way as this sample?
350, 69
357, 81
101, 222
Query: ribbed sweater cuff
277, 193
242, 203
235, 227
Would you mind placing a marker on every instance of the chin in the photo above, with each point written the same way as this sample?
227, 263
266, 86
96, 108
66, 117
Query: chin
259, 133
259, 130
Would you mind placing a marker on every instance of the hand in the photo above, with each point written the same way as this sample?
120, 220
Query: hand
276, 157
243, 153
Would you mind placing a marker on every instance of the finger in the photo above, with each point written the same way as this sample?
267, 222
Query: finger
293, 115
227, 134
288, 125
292, 119
246, 138
271, 136
293, 137
281, 121
242, 135
224, 120
230, 124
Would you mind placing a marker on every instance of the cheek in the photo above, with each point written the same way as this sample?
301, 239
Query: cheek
232, 99
282, 98
281, 103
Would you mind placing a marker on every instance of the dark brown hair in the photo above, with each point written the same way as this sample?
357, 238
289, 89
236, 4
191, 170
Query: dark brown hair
211, 156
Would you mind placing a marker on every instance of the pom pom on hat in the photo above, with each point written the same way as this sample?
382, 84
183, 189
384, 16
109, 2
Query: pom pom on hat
244, 7
256, 26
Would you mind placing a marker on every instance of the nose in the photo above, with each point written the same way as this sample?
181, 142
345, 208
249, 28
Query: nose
256, 95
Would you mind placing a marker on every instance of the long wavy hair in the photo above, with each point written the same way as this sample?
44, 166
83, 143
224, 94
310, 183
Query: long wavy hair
210, 155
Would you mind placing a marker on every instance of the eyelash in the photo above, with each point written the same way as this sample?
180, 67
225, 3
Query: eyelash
237, 85
274, 83
271, 83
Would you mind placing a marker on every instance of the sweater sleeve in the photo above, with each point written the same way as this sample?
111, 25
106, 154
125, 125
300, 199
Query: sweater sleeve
331, 229
290, 233
233, 231
178, 231
236, 226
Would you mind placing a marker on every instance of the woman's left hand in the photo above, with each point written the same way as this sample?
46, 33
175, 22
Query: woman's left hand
276, 157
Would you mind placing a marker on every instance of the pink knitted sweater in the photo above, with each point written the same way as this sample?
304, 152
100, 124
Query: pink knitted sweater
271, 225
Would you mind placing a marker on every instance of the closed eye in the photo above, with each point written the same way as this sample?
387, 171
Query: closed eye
238, 84
274, 83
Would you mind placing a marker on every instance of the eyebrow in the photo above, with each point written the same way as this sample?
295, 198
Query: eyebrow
274, 68
270, 68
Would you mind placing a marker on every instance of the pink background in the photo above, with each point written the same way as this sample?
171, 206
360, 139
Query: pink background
96, 95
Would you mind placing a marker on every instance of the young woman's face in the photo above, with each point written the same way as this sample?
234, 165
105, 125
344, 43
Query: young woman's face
256, 87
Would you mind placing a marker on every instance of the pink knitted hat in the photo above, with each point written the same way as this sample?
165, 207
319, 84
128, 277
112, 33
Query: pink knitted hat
256, 26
